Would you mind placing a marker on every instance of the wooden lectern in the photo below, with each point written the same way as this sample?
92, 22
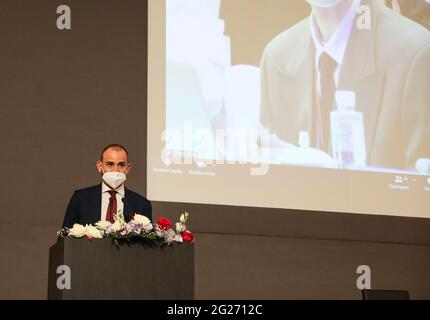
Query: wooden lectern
141, 269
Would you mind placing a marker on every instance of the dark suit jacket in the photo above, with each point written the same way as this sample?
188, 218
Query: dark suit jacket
85, 206
387, 66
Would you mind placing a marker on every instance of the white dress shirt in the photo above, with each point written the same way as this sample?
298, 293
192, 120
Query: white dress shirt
106, 196
337, 44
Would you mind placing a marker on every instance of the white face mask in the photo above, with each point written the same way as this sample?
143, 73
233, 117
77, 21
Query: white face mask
114, 179
324, 3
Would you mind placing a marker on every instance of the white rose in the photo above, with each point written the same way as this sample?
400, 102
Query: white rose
169, 236
141, 220
103, 225
117, 226
149, 227
78, 231
93, 232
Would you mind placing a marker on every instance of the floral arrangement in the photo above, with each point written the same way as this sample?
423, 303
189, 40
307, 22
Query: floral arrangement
140, 227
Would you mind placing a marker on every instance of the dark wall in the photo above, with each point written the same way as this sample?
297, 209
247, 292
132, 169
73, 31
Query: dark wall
66, 94
254, 253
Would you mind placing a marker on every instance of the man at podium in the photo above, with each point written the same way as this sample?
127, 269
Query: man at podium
102, 201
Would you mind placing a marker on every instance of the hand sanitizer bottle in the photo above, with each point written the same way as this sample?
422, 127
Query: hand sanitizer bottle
347, 132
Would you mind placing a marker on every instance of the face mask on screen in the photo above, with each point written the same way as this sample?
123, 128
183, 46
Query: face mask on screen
114, 179
324, 3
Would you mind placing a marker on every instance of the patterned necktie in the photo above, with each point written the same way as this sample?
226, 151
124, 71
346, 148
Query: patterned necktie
111, 210
327, 67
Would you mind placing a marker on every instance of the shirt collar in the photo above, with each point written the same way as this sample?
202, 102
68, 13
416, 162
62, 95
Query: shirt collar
120, 189
337, 44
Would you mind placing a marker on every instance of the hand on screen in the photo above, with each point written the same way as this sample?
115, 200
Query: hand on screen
282, 152
303, 156
274, 142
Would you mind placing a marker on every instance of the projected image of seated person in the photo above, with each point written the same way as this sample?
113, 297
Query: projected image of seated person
352, 82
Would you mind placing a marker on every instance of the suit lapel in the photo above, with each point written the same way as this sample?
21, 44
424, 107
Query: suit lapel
359, 74
128, 209
96, 204
297, 78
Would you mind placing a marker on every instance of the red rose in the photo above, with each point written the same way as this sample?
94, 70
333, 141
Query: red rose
164, 223
187, 236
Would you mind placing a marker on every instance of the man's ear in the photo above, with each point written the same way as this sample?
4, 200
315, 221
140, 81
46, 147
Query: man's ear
129, 166
99, 166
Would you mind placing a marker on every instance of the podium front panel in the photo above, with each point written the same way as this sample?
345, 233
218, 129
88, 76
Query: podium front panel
142, 269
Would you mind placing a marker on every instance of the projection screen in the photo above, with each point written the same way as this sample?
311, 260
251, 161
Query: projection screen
242, 110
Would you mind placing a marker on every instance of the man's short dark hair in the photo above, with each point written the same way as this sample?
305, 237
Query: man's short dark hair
114, 146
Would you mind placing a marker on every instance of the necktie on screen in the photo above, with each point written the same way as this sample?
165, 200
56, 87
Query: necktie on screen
111, 210
327, 67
